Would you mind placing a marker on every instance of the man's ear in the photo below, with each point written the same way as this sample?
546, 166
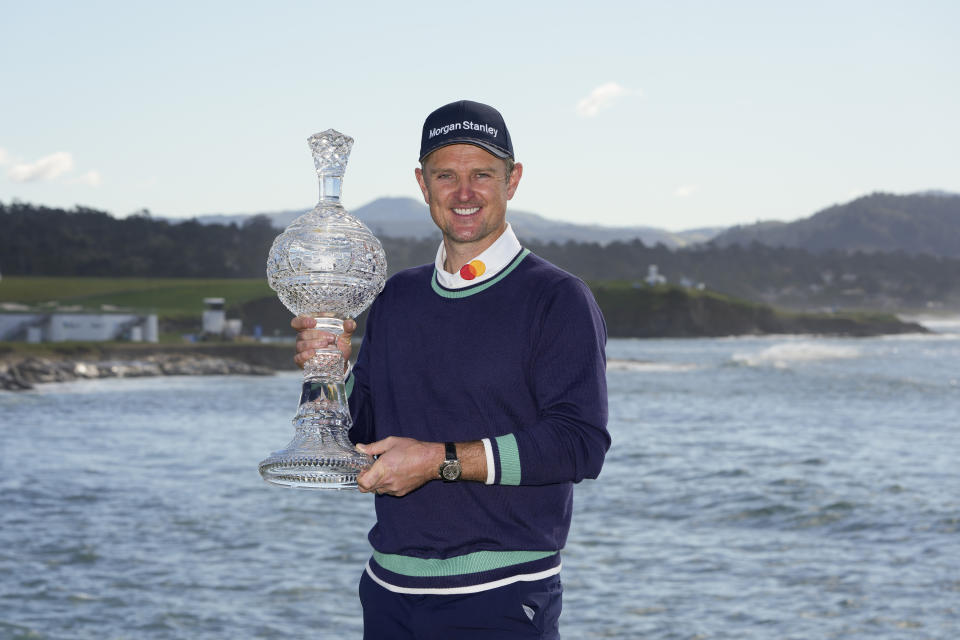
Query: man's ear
514, 180
423, 184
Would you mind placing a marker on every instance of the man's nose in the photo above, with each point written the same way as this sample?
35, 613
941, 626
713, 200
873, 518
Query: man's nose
464, 190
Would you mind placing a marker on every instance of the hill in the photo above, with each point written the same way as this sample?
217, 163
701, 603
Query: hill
920, 223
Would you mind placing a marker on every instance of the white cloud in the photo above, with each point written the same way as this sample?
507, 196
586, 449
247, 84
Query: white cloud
4, 157
46, 168
685, 190
91, 178
600, 98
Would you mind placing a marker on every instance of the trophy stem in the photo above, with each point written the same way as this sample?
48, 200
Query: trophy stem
320, 456
327, 364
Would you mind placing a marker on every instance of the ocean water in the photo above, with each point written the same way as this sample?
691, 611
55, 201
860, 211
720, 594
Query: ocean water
757, 488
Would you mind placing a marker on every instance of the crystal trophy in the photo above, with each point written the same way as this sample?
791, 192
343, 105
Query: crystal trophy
328, 265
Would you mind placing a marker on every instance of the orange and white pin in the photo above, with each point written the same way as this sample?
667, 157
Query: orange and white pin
472, 269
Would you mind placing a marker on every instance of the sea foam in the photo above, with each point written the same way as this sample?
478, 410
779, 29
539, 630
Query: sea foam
647, 366
784, 354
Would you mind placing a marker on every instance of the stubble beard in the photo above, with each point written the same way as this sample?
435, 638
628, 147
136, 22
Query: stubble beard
474, 235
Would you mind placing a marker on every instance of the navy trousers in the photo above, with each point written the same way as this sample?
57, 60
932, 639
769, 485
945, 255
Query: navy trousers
522, 610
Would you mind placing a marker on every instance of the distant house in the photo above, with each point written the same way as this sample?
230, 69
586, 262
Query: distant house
215, 321
60, 326
653, 276
214, 315
691, 284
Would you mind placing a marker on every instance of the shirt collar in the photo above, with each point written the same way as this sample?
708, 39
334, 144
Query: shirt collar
494, 259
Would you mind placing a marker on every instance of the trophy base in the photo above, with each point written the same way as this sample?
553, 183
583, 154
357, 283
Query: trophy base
320, 456
313, 472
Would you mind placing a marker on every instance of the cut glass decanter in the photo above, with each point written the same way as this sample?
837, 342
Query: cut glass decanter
327, 265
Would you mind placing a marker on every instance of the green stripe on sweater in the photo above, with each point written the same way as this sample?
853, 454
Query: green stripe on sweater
470, 563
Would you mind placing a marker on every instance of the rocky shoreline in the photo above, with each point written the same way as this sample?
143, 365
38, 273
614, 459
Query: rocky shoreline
675, 315
23, 374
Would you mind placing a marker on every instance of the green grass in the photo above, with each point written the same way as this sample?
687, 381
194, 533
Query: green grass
163, 296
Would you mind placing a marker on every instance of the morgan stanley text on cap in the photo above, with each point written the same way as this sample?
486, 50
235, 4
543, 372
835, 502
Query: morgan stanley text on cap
466, 122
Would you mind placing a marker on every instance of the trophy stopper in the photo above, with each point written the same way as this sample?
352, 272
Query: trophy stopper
331, 151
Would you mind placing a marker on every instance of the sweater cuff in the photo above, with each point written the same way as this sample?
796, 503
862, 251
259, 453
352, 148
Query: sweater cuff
507, 459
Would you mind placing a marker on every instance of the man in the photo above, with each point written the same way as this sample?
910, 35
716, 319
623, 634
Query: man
480, 386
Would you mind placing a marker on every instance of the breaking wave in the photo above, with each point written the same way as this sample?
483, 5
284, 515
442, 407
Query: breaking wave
785, 354
648, 366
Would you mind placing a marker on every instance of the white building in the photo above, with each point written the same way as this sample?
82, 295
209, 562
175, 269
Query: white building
60, 326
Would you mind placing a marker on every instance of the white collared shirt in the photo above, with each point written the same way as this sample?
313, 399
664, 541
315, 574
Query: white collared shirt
495, 258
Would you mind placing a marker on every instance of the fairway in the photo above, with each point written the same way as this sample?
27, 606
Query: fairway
163, 296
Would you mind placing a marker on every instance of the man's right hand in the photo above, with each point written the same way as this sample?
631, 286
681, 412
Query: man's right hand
310, 339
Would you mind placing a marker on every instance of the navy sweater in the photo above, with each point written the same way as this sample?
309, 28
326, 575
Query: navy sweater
518, 359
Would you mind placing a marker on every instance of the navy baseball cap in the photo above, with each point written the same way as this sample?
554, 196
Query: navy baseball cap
466, 122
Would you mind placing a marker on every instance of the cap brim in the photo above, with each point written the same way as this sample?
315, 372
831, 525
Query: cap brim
500, 153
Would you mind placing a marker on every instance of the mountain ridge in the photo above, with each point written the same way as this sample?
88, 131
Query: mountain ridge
926, 222
404, 217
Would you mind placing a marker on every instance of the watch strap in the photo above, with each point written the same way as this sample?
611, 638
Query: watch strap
450, 467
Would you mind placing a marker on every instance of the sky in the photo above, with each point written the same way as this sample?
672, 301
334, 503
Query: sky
675, 114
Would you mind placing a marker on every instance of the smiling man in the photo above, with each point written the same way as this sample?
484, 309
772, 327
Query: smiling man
480, 386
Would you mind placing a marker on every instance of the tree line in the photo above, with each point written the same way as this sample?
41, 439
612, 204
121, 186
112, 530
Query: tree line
44, 241
38, 240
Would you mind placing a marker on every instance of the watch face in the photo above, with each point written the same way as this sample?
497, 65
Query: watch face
451, 471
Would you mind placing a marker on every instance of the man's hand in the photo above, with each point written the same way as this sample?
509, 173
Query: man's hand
404, 464
310, 339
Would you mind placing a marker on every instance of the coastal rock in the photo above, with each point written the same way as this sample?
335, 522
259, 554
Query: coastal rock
179, 365
23, 374
12, 380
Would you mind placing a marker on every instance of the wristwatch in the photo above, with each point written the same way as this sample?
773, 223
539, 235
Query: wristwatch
450, 468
